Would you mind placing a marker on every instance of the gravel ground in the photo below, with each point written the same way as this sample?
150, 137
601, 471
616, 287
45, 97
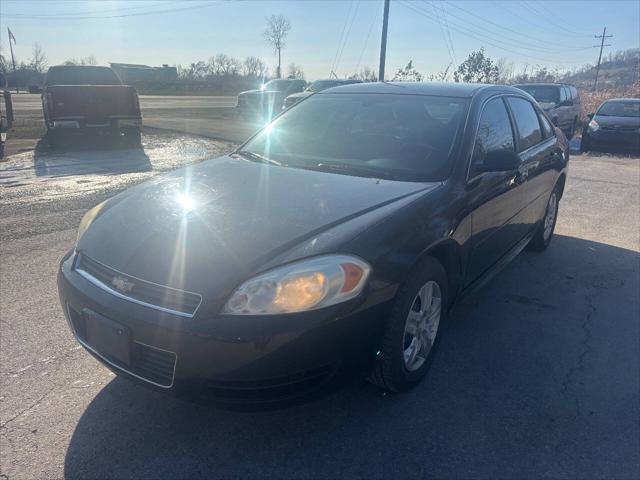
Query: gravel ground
537, 375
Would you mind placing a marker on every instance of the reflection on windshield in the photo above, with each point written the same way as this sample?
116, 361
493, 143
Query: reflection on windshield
620, 109
543, 94
407, 137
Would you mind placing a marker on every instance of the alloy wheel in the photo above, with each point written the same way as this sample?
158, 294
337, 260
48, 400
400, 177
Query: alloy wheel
421, 326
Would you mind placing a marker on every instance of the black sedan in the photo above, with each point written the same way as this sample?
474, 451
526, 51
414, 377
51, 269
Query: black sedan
614, 126
339, 235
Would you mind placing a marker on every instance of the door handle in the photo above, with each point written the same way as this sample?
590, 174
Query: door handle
521, 175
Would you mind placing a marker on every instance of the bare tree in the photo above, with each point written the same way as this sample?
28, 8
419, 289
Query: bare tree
278, 27
441, 76
39, 59
408, 74
367, 74
225, 65
296, 72
254, 67
505, 71
90, 60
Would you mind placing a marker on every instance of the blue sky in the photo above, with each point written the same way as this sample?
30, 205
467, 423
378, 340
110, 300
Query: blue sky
431, 33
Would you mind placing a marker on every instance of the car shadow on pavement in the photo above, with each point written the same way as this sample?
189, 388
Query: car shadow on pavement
88, 156
536, 374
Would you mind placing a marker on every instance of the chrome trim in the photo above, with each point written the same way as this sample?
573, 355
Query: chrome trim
95, 352
110, 290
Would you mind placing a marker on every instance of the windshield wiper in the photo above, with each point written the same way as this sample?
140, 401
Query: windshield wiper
256, 157
346, 168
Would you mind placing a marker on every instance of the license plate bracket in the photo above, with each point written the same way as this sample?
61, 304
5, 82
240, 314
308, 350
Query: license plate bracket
107, 337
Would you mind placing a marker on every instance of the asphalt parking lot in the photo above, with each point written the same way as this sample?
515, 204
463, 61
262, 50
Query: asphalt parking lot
537, 375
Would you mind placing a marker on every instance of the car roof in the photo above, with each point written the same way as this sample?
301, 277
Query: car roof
545, 84
622, 100
462, 90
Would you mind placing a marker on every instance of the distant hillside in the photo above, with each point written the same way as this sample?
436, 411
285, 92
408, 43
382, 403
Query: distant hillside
621, 69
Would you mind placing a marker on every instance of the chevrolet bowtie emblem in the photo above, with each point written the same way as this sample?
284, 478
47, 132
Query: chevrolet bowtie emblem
122, 284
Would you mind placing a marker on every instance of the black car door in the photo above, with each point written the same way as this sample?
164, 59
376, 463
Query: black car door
540, 153
496, 199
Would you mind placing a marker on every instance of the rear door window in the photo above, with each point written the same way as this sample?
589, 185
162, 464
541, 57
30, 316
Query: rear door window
494, 133
563, 94
574, 93
526, 119
547, 129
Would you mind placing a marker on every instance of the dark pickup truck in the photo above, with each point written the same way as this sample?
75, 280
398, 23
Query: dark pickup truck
86, 99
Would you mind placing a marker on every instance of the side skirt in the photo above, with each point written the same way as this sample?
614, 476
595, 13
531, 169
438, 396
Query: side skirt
495, 269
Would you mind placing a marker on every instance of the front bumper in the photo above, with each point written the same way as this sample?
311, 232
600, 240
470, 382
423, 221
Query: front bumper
612, 140
114, 123
236, 359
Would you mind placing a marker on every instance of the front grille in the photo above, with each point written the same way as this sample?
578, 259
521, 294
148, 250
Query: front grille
153, 364
139, 291
148, 363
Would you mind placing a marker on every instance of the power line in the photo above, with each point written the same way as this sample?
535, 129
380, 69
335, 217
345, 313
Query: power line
501, 37
469, 33
503, 27
344, 29
366, 42
137, 14
549, 17
444, 35
446, 26
346, 38
539, 24
94, 12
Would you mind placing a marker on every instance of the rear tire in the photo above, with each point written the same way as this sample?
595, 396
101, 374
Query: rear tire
544, 232
132, 138
56, 139
412, 331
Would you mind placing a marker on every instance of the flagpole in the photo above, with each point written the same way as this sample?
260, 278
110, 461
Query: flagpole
13, 59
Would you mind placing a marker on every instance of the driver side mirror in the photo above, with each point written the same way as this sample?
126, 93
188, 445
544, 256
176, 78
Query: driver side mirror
502, 160
590, 115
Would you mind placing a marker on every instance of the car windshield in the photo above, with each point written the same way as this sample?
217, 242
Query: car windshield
277, 85
76, 75
548, 94
404, 137
619, 108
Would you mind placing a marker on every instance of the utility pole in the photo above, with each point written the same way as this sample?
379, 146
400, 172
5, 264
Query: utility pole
602, 45
13, 59
383, 43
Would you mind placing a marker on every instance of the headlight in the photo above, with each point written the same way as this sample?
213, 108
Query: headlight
593, 126
88, 219
306, 285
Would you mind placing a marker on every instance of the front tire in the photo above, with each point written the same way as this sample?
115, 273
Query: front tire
411, 333
544, 232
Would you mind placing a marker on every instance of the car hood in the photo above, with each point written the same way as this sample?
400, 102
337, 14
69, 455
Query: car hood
610, 121
259, 92
206, 228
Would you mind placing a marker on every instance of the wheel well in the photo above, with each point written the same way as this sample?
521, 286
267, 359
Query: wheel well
448, 254
561, 182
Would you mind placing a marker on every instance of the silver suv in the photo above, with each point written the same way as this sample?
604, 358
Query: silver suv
560, 101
